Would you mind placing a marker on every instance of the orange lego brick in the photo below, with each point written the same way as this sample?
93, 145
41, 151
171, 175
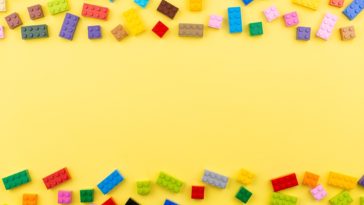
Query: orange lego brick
30, 199
310, 179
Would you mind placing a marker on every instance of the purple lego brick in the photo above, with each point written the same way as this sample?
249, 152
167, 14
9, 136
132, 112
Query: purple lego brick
303, 33
69, 26
318, 192
361, 181
64, 197
291, 19
94, 32
327, 26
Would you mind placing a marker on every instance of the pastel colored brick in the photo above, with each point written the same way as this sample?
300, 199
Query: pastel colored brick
16, 179
198, 192
309, 179
32, 32
2, 5
64, 197
327, 26
58, 6
119, 32
235, 22
69, 26
291, 19
35, 12
110, 182
353, 9
245, 177
342, 181
312, 4
256, 29
195, 5
167, 9
142, 3
144, 187
133, 22
56, 178
284, 182
170, 183
13, 20
86, 195
343, 198
347, 33
160, 29
283, 199
190, 30
215, 179
271, 13
215, 21
169, 202
318, 192
94, 32
2, 33
337, 3
243, 195
94, 11
30, 199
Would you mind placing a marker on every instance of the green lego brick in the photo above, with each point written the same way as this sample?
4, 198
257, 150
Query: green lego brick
243, 195
32, 32
256, 29
169, 182
144, 187
283, 199
58, 6
361, 200
87, 195
343, 198
16, 179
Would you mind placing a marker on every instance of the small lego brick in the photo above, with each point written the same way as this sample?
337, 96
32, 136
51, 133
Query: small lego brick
361, 199
318, 192
327, 26
2, 33
245, 177
110, 201
235, 22
110, 182
167, 9
256, 29
291, 19
30, 199
343, 198
94, 11
353, 9
94, 32
360, 182
86, 195
190, 30
271, 13
35, 12
16, 179
58, 6
283, 199
144, 187
170, 183
347, 33
119, 32
69, 26
160, 29
342, 181
309, 179
198, 192
215, 179
337, 3
284, 182
2, 5
243, 195
141, 3
246, 2
56, 178
32, 32
133, 22
312, 4
169, 202
64, 197
131, 202
195, 5
13, 20
215, 21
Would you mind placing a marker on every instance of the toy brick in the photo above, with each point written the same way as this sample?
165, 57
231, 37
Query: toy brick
94, 32
56, 178
160, 29
361, 200
13, 20
256, 29
283, 199
353, 9
284, 182
69, 26
64, 197
243, 195
16, 179
361, 181
32, 32
245, 177
312, 4
347, 33
198, 192
167, 9
169, 202
271, 13
141, 3
170, 183
2, 5
86, 195
131, 202
119, 32
94, 11
246, 2
337, 3
195, 5
215, 179
190, 30
144, 187
342, 181
30, 199
291, 19
110, 201
235, 22
342, 198
304, 34
133, 22
35, 12
309, 179
2, 33
57, 6
327, 26
110, 182
215, 21
318, 192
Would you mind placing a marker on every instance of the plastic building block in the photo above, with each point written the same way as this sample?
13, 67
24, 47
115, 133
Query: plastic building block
131, 202
2, 34
342, 181
35, 12
13, 20
172, 184
86, 195
235, 22
245, 177
309, 179
119, 32
318, 192
58, 6
16, 179
32, 32
271, 13
94, 32
246, 2
353, 9
243, 195
256, 29
69, 26
30, 199
291, 19
361, 199
167, 9
337, 3
347, 33
198, 192
144, 187
160, 29
133, 22
190, 30
93, 11
360, 182
215, 179
284, 182
110, 201
327, 26
110, 182
56, 178
215, 21
169, 202
2, 5
342, 198
141, 3
283, 199
312, 4
195, 5
64, 197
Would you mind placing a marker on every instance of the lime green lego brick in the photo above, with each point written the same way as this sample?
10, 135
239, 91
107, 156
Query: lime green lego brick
16, 179
58, 6
133, 22
283, 199
312, 4
169, 182
144, 187
343, 198
361, 200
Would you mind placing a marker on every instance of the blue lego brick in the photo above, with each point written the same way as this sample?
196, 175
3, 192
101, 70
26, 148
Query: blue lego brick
141, 3
69, 26
353, 9
37, 31
246, 2
234, 16
94, 32
110, 182
169, 202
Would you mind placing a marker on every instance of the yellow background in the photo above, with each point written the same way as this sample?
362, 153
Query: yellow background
270, 104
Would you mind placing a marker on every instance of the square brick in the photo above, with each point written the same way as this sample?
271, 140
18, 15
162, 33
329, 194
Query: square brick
215, 21
30, 199
160, 29
347, 33
198, 192
2, 34
303, 33
119, 32
94, 32
64, 197
318, 192
35, 12
291, 19
271, 13
256, 29
13, 20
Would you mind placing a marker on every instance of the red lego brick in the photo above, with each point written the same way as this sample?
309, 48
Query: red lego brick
110, 201
198, 192
284, 182
94, 11
337, 3
160, 29
56, 178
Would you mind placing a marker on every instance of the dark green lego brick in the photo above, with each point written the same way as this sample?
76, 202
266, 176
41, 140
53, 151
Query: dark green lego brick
256, 29
243, 195
16, 179
87, 195
32, 32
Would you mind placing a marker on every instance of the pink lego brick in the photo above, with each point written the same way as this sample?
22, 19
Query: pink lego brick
64, 197
215, 21
271, 13
327, 26
291, 19
2, 35
318, 192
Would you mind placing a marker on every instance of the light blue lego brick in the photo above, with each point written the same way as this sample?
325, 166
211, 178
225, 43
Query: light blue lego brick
142, 3
234, 16
110, 182
353, 9
246, 2
169, 202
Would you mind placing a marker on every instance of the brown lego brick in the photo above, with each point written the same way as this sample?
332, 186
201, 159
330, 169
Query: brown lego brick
119, 32
167, 9
191, 30
35, 12
13, 20
347, 33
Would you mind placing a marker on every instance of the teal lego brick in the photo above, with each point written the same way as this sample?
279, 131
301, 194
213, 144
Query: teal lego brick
16, 179
36, 31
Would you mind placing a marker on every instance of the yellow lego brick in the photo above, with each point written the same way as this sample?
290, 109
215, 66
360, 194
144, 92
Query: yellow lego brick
133, 22
195, 5
245, 177
342, 181
312, 4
